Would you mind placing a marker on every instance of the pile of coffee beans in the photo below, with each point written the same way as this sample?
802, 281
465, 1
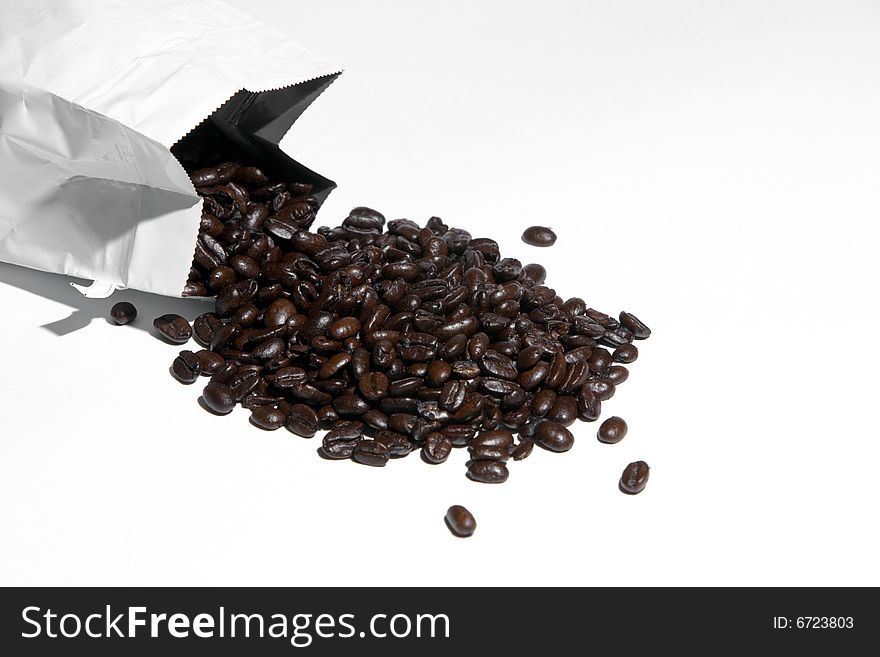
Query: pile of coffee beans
392, 336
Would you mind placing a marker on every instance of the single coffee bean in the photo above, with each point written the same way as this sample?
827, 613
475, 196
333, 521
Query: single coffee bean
373, 386
612, 430
123, 313
625, 353
302, 421
269, 417
437, 448
205, 326
341, 440
398, 445
187, 367
173, 328
460, 521
616, 374
539, 236
634, 478
635, 326
496, 438
488, 472
554, 436
210, 361
218, 397
371, 452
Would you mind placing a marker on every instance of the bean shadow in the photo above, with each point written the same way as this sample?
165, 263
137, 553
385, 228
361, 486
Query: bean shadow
56, 287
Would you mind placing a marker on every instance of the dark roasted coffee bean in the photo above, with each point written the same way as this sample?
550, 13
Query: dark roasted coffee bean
460, 521
494, 364
205, 326
302, 421
634, 477
373, 385
173, 328
123, 313
496, 438
187, 367
542, 402
603, 390
371, 452
523, 450
210, 361
270, 416
337, 447
589, 406
612, 430
375, 419
539, 236
626, 353
635, 326
437, 448
344, 328
244, 382
269, 349
530, 379
334, 365
554, 436
350, 405
564, 411
397, 444
616, 374
490, 453
488, 472
218, 397
528, 358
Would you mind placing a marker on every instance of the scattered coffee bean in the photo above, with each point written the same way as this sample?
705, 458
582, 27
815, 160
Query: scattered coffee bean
173, 328
371, 452
123, 313
218, 397
460, 521
634, 478
426, 336
187, 367
488, 472
612, 430
270, 416
539, 236
554, 436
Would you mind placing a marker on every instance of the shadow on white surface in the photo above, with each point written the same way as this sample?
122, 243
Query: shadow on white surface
56, 287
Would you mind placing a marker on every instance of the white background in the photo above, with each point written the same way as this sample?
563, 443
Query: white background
710, 166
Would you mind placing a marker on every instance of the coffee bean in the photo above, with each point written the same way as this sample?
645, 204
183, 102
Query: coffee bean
187, 367
218, 397
634, 478
539, 236
427, 336
205, 326
437, 448
488, 472
397, 444
371, 452
270, 417
209, 361
632, 323
523, 450
626, 353
341, 440
123, 313
554, 436
616, 374
302, 421
173, 328
373, 386
612, 430
460, 521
